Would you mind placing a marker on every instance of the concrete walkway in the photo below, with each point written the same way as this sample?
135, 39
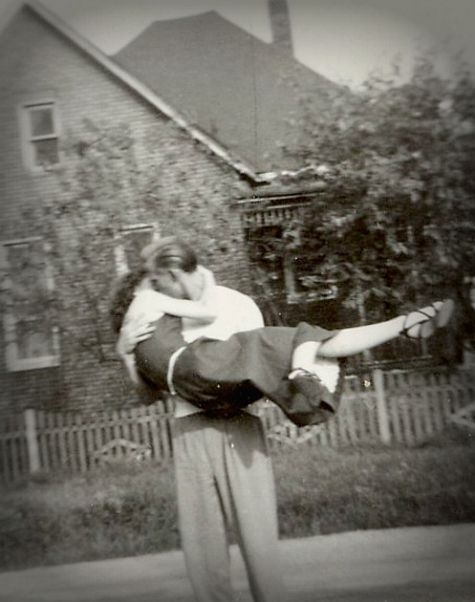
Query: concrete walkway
418, 564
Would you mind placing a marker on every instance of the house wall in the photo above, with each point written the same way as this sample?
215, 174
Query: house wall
37, 62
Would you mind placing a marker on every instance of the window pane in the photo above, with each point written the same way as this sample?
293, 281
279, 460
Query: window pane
134, 242
266, 255
27, 271
309, 280
46, 152
41, 121
34, 339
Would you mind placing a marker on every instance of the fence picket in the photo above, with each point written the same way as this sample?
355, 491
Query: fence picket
395, 419
341, 422
42, 444
72, 457
100, 436
125, 422
116, 434
332, 434
61, 439
436, 410
52, 437
351, 422
426, 411
156, 448
406, 422
372, 418
90, 447
78, 421
164, 437
135, 428
381, 406
415, 402
4, 457
324, 436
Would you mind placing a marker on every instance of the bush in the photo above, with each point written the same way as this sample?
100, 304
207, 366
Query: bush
115, 511
324, 491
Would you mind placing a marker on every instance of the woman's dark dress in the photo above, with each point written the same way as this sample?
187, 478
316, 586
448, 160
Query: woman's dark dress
243, 368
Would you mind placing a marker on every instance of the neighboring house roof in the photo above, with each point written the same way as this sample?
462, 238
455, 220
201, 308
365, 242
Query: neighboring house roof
229, 84
139, 87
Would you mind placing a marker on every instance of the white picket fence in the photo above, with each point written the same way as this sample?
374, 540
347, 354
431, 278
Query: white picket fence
400, 407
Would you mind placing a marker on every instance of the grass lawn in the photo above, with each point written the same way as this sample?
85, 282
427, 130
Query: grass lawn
128, 509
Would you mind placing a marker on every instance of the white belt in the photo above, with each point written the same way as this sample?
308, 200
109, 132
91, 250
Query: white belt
171, 367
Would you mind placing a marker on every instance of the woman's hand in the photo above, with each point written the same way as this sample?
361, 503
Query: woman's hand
132, 333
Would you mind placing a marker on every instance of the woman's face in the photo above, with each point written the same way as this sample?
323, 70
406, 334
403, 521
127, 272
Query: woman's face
165, 282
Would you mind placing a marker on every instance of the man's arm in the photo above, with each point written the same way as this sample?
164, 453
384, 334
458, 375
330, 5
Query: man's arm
236, 313
248, 316
153, 303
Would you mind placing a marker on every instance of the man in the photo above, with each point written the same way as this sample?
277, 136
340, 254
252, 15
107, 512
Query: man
223, 469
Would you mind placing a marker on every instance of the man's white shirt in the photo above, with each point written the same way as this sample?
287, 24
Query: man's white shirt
235, 312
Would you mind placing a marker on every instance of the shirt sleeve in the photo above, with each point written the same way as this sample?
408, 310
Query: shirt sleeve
144, 307
249, 317
237, 313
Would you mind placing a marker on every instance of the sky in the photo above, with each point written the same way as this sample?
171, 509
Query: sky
344, 40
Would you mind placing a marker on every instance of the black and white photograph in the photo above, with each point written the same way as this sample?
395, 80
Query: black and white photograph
237, 293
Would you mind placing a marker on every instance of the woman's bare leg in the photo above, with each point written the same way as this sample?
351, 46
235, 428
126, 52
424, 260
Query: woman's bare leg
351, 341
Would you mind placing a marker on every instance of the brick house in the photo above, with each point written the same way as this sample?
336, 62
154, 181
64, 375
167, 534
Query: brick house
207, 188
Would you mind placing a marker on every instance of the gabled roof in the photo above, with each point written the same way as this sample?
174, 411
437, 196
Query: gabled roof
139, 87
227, 83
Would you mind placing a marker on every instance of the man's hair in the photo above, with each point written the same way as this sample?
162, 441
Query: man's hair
122, 297
169, 252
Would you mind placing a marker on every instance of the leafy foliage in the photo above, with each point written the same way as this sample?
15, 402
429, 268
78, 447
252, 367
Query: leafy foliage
396, 221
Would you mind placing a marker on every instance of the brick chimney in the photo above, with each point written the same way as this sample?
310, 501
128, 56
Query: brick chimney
280, 24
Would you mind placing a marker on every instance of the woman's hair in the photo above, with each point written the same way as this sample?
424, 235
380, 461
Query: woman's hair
122, 297
169, 252
166, 253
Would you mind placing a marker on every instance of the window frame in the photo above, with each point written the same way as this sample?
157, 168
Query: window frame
293, 295
12, 361
120, 258
274, 216
28, 139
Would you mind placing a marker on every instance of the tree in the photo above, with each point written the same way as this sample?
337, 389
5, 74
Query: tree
396, 222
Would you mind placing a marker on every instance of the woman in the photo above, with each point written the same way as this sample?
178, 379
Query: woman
294, 367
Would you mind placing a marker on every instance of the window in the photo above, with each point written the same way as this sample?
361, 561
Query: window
303, 280
40, 135
266, 255
292, 273
130, 242
31, 339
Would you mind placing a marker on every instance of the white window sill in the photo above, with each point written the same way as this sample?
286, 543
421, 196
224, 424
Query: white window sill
35, 170
37, 363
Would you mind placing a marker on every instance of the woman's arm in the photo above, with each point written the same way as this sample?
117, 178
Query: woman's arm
182, 308
154, 302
